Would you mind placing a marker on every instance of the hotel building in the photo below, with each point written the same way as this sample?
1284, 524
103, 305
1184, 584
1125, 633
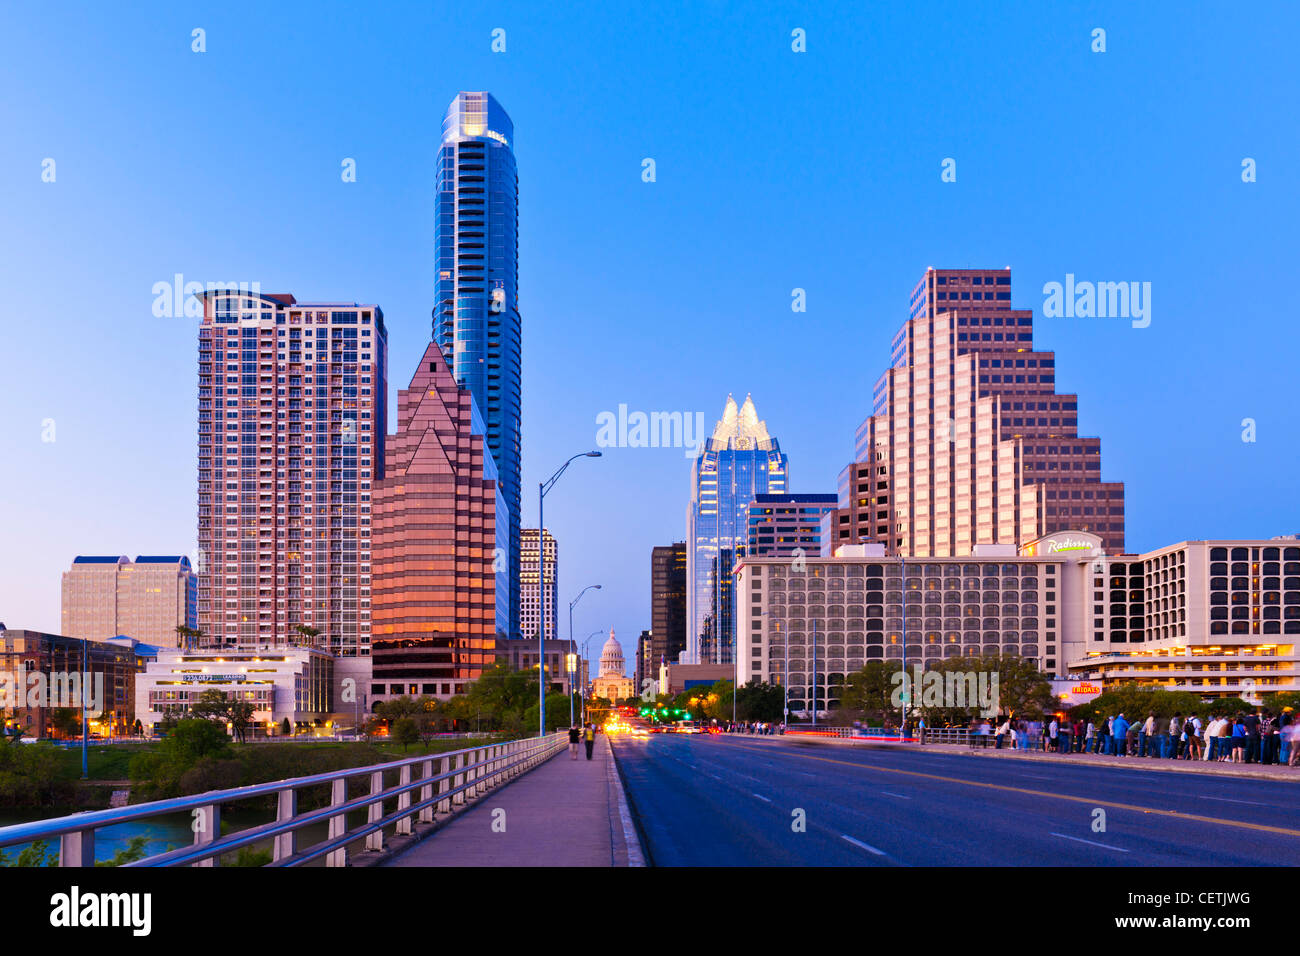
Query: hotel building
1180, 616
968, 442
528, 609
436, 577
292, 405
739, 461
476, 318
146, 599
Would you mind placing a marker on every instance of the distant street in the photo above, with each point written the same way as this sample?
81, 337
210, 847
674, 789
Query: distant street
730, 801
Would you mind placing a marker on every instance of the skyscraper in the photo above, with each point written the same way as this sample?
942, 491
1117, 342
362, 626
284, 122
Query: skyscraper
667, 606
968, 441
476, 320
436, 617
146, 599
292, 405
528, 610
788, 525
739, 461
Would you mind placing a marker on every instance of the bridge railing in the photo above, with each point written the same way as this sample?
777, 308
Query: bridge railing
422, 789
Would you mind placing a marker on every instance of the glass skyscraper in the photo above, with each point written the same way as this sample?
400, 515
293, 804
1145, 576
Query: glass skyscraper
476, 308
737, 463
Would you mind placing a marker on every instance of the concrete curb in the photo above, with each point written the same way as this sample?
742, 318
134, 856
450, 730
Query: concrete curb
624, 837
633, 837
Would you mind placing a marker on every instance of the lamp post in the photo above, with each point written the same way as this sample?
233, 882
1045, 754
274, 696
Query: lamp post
575, 646
542, 488
572, 660
907, 686
587, 657
85, 769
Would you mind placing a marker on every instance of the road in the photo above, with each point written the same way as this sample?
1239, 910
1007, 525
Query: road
734, 801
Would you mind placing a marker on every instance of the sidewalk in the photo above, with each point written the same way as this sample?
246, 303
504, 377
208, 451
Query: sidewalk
562, 813
1212, 768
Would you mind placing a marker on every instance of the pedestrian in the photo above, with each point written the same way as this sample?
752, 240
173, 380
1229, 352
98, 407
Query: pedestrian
1053, 735
1238, 740
1003, 728
1194, 730
590, 738
1158, 740
1176, 737
1284, 720
1251, 723
1090, 737
574, 735
1144, 735
1120, 731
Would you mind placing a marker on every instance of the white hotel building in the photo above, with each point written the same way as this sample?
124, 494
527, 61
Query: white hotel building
1181, 616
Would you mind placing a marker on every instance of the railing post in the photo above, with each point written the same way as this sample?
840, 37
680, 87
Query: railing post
77, 848
286, 844
426, 792
459, 797
207, 823
375, 812
444, 767
338, 824
404, 824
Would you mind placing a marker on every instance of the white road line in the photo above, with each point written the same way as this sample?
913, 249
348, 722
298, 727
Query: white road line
1104, 846
888, 793
1253, 803
865, 846
759, 795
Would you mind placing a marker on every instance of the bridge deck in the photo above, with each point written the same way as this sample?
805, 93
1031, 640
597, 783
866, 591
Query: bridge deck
563, 813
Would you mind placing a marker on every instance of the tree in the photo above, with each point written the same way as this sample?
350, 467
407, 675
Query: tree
286, 728
241, 718
405, 732
187, 637
66, 721
307, 634
211, 705
759, 701
193, 739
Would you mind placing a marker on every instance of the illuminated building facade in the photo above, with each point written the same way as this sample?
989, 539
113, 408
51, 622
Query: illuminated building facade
528, 609
292, 405
968, 442
476, 318
436, 577
146, 599
737, 462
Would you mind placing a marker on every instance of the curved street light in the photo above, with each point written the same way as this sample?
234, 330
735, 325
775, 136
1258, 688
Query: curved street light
542, 489
574, 646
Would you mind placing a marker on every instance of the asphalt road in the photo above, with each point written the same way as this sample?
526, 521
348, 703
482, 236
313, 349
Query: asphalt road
734, 801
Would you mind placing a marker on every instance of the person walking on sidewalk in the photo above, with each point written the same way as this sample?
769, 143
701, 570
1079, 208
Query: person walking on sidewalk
574, 734
590, 738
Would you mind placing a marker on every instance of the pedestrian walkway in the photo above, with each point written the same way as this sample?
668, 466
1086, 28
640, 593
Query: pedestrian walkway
562, 813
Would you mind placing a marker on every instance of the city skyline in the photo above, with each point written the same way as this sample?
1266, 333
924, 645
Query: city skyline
1176, 443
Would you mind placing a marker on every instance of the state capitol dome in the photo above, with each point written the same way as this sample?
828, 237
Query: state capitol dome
611, 658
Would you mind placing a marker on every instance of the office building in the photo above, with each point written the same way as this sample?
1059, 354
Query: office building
968, 442
667, 605
787, 525
476, 319
613, 684
146, 599
644, 669
522, 656
282, 683
292, 406
739, 461
528, 593
436, 537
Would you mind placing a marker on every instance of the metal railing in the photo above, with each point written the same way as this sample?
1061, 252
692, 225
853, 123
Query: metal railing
461, 776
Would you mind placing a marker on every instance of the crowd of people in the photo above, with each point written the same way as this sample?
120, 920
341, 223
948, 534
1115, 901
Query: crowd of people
1261, 737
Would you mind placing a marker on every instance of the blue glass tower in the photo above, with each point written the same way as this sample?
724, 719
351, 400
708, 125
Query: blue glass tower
736, 464
476, 308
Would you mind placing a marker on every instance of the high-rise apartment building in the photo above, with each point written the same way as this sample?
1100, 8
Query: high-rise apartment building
476, 304
529, 612
146, 599
787, 525
667, 606
968, 441
737, 462
292, 405
435, 614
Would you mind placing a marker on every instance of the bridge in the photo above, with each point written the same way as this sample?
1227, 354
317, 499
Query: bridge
737, 800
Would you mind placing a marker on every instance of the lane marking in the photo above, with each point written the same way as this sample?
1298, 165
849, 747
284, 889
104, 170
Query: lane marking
1265, 828
1255, 803
759, 795
1104, 846
889, 793
866, 846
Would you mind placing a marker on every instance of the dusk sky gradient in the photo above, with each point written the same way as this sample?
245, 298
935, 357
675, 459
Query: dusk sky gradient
775, 170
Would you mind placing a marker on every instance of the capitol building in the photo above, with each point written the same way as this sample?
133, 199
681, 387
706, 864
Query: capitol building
613, 683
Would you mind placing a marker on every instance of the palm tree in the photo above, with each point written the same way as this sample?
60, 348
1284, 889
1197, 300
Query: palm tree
187, 637
307, 633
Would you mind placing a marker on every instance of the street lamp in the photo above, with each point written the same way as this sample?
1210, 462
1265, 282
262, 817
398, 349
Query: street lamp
908, 690
542, 488
575, 646
587, 657
572, 660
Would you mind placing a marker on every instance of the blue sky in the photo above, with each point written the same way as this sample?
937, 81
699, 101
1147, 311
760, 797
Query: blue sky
775, 170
